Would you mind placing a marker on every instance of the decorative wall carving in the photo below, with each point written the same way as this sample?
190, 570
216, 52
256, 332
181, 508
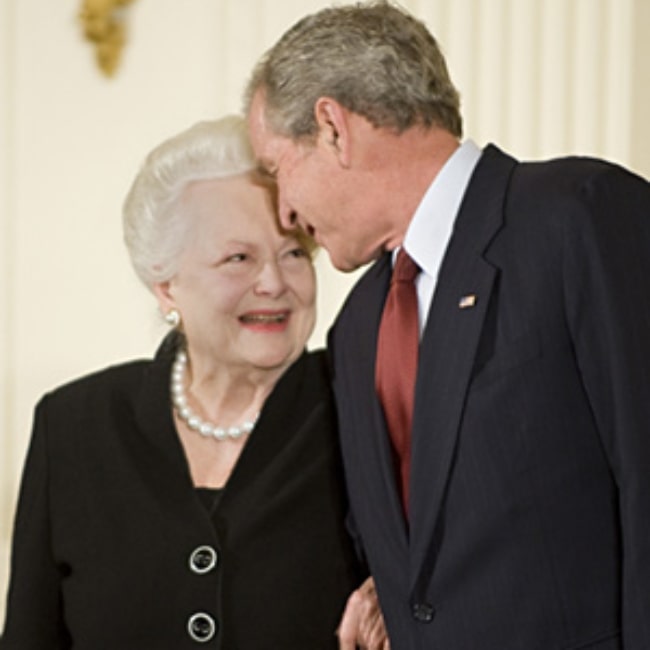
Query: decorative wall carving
104, 25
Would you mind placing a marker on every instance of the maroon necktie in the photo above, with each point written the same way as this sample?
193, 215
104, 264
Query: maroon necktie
397, 360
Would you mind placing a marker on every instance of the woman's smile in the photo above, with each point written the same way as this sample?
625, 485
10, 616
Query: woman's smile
266, 320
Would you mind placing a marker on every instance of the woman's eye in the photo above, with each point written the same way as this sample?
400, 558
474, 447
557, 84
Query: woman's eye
298, 252
237, 257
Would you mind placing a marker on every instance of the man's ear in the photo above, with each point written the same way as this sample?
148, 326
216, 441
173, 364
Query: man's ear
333, 128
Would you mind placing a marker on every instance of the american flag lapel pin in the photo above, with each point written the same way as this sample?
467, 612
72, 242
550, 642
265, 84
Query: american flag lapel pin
467, 302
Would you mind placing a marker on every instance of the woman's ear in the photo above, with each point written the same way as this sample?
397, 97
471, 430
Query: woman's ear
163, 293
333, 128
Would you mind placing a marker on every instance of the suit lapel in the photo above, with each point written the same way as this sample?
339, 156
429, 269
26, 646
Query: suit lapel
447, 354
390, 496
368, 444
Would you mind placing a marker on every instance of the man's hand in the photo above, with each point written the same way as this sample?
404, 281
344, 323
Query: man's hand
362, 625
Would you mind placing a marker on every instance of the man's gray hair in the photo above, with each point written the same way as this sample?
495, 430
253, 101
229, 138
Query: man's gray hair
373, 58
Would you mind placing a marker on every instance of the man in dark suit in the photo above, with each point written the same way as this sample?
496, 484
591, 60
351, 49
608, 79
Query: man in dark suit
507, 504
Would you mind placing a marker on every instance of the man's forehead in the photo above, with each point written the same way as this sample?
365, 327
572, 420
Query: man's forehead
261, 135
257, 112
268, 147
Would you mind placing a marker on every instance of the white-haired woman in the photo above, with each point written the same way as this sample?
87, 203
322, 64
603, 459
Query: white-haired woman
194, 499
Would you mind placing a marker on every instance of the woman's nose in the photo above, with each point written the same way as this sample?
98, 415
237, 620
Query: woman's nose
270, 280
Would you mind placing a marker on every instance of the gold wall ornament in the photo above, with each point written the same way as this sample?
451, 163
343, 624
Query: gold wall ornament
104, 26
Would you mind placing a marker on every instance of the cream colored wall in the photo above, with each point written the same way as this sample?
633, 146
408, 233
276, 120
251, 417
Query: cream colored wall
539, 77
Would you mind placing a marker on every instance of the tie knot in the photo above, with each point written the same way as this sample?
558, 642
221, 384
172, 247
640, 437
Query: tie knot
405, 268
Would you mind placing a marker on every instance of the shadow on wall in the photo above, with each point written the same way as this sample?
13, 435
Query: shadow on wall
4, 576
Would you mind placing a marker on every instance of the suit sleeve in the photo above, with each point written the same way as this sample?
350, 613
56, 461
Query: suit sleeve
350, 523
34, 618
607, 285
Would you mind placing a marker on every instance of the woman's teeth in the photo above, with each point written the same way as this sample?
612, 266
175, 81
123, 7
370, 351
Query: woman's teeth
264, 318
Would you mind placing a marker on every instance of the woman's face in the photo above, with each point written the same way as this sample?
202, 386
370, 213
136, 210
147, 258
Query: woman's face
245, 291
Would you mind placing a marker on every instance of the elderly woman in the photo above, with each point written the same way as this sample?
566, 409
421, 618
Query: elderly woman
194, 499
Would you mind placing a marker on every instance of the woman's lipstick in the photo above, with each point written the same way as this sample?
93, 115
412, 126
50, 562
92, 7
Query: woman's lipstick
266, 320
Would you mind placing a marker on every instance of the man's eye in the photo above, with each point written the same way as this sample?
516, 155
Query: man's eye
267, 173
298, 252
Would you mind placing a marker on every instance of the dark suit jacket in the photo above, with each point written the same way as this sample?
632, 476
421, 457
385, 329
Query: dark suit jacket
108, 519
530, 482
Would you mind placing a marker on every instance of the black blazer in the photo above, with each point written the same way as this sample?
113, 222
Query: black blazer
530, 480
108, 520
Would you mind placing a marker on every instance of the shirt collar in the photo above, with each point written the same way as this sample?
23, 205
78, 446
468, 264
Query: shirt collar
431, 226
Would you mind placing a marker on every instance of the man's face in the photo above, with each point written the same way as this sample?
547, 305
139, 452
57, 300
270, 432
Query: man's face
315, 192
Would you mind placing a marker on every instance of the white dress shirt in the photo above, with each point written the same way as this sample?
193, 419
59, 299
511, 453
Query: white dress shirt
430, 229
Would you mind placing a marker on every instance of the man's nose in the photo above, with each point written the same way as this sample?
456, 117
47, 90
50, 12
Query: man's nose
287, 215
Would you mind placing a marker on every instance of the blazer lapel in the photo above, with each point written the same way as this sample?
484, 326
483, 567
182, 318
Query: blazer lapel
447, 353
167, 469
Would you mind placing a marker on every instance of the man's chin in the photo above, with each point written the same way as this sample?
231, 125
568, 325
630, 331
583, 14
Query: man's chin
340, 263
347, 265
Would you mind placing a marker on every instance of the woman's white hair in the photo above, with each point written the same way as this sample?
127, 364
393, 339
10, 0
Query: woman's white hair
155, 228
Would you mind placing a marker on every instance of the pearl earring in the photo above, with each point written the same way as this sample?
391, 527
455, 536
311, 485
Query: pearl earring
173, 318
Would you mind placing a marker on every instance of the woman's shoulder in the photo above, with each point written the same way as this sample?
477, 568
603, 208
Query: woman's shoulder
123, 379
123, 376
120, 377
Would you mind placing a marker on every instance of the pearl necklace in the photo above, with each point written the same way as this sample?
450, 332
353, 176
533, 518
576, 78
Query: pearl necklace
186, 414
